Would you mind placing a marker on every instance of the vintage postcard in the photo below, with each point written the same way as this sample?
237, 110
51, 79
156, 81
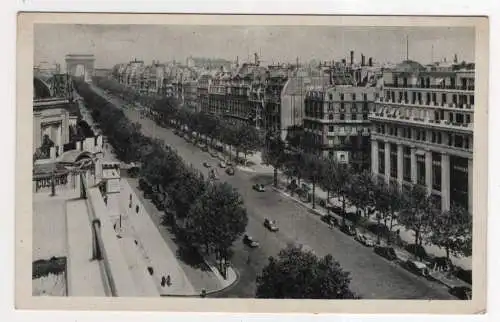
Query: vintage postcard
239, 163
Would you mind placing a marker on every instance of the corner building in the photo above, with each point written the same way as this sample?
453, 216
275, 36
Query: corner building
422, 130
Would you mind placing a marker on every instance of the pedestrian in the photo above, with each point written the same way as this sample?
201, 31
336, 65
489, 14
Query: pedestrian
168, 280
163, 281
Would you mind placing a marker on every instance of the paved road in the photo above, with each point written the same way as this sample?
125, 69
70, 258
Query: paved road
372, 276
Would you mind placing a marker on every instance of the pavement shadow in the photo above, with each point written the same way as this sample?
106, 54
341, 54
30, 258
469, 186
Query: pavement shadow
188, 254
263, 178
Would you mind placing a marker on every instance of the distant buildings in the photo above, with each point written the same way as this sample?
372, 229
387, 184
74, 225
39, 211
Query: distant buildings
422, 130
409, 123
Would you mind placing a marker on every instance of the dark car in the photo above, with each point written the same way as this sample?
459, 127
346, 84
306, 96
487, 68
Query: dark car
330, 220
386, 252
348, 229
259, 187
270, 224
416, 267
461, 292
206, 164
230, 171
248, 240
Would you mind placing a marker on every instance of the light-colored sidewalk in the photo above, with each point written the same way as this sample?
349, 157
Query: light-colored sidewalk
84, 274
156, 253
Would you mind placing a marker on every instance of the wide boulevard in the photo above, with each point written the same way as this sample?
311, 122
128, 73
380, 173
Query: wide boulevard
373, 277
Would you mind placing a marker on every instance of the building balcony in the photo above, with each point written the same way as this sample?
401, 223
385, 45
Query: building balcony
440, 88
425, 122
436, 105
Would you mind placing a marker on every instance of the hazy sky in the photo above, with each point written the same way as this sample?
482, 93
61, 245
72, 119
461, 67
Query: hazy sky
112, 44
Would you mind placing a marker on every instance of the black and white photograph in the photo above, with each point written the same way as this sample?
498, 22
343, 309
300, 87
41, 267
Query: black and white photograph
255, 161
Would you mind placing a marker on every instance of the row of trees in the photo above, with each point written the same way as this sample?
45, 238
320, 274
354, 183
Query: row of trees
209, 215
243, 138
217, 216
412, 208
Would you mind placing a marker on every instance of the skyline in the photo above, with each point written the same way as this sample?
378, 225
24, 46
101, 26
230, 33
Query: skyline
113, 44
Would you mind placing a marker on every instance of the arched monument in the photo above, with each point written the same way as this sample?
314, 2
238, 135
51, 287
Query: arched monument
85, 60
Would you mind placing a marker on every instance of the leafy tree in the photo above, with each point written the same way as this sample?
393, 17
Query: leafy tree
312, 168
300, 274
452, 230
275, 155
417, 212
361, 192
216, 220
295, 137
249, 139
190, 185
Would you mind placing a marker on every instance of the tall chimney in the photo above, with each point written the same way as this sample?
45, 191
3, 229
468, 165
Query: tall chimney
362, 60
352, 57
370, 62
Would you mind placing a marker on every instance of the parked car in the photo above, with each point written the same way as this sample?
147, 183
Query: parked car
248, 240
348, 229
416, 267
213, 175
365, 240
204, 148
176, 132
230, 171
206, 164
213, 154
386, 252
271, 224
222, 164
330, 220
461, 292
259, 187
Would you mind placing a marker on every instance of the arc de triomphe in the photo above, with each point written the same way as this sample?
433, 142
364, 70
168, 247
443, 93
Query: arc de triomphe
85, 60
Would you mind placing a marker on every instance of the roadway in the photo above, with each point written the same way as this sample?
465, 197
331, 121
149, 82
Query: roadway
373, 277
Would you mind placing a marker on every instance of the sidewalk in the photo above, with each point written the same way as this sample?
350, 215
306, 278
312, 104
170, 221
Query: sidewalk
162, 256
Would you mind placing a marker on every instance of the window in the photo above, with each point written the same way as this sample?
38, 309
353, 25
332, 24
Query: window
330, 116
353, 96
467, 118
406, 164
434, 98
428, 98
353, 116
443, 98
330, 96
421, 169
331, 128
342, 116
436, 171
381, 157
365, 97
400, 96
341, 96
394, 161
365, 116
439, 138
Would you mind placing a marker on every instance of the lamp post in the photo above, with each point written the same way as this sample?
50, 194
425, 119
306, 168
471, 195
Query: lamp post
53, 183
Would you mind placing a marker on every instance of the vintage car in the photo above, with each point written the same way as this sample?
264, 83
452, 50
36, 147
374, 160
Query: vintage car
248, 240
270, 224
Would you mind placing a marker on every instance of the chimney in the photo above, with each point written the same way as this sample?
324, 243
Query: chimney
362, 60
343, 61
370, 62
352, 57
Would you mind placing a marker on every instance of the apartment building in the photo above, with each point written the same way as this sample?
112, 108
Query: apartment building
422, 130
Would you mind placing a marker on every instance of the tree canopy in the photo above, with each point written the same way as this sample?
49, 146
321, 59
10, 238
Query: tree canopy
299, 274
